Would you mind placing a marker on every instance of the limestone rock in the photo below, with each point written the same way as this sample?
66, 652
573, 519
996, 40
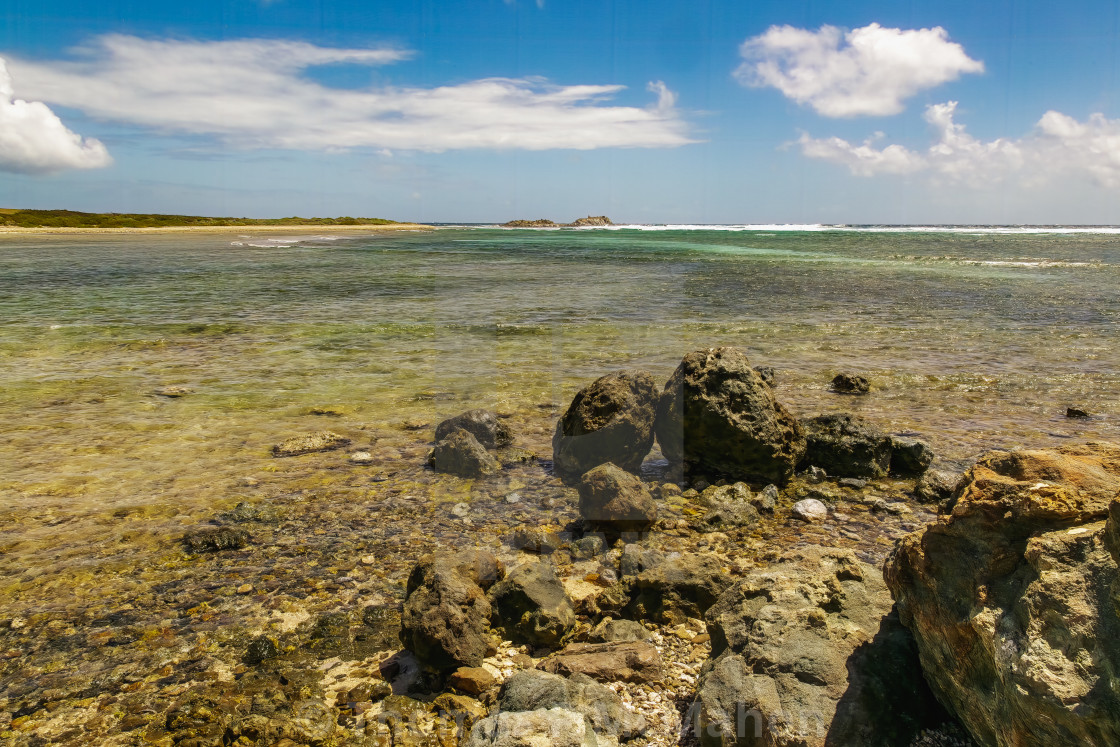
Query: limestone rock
487, 428
674, 589
530, 604
446, 612
718, 417
804, 653
532, 689
608, 662
612, 499
472, 680
592, 220
936, 485
909, 456
461, 454
321, 441
614, 631
555, 727
1014, 597
810, 510
610, 420
846, 446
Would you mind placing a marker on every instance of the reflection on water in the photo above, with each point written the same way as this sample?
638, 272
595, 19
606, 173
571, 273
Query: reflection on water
972, 340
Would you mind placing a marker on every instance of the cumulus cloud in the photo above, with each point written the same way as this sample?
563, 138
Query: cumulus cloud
868, 71
33, 139
254, 94
1059, 144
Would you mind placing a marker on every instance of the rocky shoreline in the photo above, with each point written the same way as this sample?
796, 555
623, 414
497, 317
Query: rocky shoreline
692, 563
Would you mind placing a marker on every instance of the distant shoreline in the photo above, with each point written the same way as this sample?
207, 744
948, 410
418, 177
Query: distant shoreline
302, 227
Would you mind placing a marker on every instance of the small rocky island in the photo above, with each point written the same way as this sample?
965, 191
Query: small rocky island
589, 221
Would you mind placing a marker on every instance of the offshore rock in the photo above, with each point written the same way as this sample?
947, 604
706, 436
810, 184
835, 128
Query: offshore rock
845, 383
718, 417
846, 446
313, 442
1014, 598
804, 653
614, 500
592, 220
610, 420
530, 604
531, 690
538, 223
461, 454
485, 426
446, 612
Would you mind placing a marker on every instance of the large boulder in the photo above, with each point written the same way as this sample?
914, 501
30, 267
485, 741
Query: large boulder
532, 689
530, 604
484, 425
615, 500
671, 590
461, 454
446, 613
717, 416
805, 653
846, 446
609, 420
1014, 597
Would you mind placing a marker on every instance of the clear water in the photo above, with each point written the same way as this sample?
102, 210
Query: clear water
974, 339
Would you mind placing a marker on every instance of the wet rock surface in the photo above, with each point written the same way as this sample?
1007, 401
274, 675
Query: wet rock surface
309, 444
487, 428
616, 501
530, 603
846, 446
461, 454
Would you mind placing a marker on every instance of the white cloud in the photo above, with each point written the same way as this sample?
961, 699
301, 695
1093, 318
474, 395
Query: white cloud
1058, 145
34, 141
868, 71
253, 94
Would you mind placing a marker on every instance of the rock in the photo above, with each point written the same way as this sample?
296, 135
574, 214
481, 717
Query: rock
554, 727
677, 588
260, 649
588, 547
446, 612
615, 631
614, 500
815, 475
538, 223
810, 510
361, 457
728, 506
591, 220
909, 456
472, 680
460, 709
484, 425
1013, 597
539, 541
215, 539
461, 454
847, 446
608, 662
635, 559
610, 420
767, 498
1077, 412
718, 417
766, 373
845, 383
805, 654
172, 392
855, 483
534, 690
321, 441
530, 604
936, 486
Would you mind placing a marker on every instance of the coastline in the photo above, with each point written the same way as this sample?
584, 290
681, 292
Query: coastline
14, 230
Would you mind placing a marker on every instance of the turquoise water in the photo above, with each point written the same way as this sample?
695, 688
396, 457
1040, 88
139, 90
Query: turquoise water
974, 339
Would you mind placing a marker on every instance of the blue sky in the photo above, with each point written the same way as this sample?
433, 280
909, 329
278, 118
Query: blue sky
647, 111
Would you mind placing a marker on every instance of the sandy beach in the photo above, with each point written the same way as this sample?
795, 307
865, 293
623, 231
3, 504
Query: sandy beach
314, 228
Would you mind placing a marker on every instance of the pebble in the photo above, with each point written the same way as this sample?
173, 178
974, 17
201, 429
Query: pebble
513, 498
810, 510
245, 589
361, 457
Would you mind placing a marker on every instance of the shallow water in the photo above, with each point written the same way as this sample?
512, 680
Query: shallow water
972, 339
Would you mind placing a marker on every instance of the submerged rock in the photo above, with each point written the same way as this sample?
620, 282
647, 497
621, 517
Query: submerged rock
462, 455
614, 500
487, 428
313, 442
718, 417
846, 445
610, 420
215, 539
804, 654
1013, 597
845, 383
810, 510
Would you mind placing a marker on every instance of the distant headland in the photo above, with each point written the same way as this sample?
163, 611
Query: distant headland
70, 221
591, 220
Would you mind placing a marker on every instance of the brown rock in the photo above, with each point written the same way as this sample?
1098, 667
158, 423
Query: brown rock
638, 661
612, 499
322, 441
471, 680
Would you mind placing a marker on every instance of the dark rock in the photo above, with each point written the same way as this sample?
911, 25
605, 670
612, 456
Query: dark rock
537, 541
484, 425
805, 653
615, 631
676, 588
1077, 412
936, 486
847, 446
845, 383
766, 373
1013, 597
610, 420
909, 456
538, 223
213, 540
608, 662
260, 649
311, 443
589, 547
446, 612
461, 454
534, 690
718, 417
530, 604
636, 559
614, 500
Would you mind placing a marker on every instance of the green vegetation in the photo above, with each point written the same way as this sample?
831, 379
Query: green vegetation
72, 219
